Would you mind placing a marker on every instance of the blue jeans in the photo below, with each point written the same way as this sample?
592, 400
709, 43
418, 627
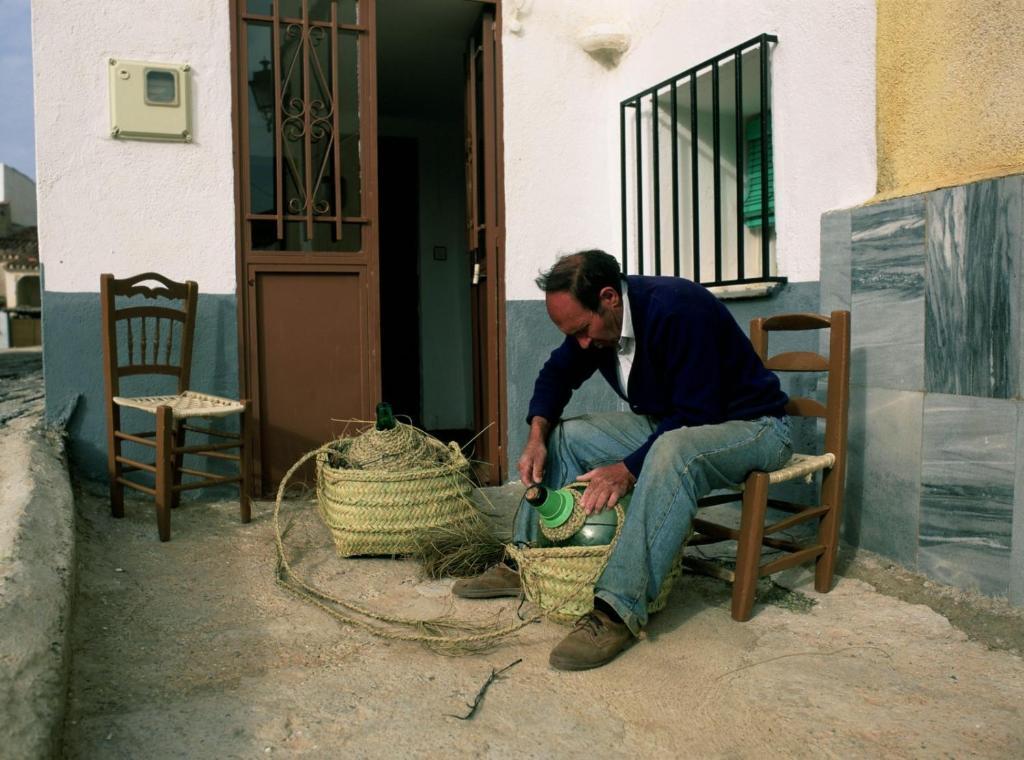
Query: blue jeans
681, 467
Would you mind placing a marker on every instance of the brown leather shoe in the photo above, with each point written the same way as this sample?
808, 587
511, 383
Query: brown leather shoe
595, 640
500, 580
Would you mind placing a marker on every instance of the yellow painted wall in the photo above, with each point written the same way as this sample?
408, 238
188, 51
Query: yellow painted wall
950, 92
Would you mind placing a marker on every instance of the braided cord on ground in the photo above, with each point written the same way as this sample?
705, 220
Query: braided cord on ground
287, 578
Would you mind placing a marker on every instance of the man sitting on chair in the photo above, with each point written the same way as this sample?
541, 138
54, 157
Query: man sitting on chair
704, 413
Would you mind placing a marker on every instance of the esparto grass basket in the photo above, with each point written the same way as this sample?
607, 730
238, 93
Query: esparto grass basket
379, 511
560, 579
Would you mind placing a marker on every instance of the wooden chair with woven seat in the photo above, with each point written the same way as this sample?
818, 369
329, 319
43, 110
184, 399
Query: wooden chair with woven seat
157, 340
753, 534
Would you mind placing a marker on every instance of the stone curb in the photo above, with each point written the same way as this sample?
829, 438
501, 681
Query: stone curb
37, 576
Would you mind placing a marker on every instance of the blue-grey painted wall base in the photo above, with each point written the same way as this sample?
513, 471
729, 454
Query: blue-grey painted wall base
73, 371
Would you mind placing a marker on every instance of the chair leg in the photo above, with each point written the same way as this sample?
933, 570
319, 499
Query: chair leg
164, 470
245, 463
177, 460
114, 469
828, 531
748, 547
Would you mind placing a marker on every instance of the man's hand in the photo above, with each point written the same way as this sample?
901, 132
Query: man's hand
531, 462
605, 486
535, 453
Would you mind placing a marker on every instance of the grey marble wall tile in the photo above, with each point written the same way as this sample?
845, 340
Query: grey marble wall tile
883, 481
887, 276
969, 457
1017, 538
835, 265
974, 236
1017, 297
835, 260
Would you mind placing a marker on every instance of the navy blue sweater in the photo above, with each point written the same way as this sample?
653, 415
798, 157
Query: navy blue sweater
693, 364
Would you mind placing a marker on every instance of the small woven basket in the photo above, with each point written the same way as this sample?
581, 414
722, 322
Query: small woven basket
380, 511
560, 579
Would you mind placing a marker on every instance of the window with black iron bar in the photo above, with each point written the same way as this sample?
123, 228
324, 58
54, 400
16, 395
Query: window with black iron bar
697, 177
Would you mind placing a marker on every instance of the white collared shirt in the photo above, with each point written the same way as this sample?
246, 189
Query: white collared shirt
627, 344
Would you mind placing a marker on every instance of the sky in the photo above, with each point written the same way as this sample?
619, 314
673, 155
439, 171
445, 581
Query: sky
17, 134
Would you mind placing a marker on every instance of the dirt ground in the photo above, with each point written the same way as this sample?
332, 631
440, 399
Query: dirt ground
189, 649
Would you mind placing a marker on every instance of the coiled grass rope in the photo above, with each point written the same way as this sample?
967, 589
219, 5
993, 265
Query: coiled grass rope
442, 634
411, 448
403, 447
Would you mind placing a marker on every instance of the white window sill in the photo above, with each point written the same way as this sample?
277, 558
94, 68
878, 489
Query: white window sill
745, 290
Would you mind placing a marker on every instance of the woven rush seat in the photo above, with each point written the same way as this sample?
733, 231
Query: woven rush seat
801, 465
797, 466
187, 404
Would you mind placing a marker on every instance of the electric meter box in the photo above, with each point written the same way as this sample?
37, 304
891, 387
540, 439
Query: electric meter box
150, 101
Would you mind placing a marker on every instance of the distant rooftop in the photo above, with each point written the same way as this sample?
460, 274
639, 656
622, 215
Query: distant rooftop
19, 250
17, 171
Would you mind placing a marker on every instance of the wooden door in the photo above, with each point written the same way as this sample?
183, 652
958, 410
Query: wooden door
306, 198
485, 236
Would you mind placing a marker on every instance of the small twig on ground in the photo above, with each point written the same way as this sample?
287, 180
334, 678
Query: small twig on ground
803, 654
494, 676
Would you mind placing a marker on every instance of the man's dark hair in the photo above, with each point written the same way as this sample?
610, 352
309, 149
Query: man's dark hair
582, 275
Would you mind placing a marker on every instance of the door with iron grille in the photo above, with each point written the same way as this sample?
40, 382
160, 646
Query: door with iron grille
305, 140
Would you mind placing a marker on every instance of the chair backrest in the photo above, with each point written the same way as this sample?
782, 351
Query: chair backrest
155, 339
835, 410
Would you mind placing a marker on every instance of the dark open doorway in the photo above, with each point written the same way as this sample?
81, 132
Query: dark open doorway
427, 354
398, 179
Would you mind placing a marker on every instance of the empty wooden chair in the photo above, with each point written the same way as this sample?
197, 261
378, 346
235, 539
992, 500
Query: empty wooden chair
831, 462
157, 340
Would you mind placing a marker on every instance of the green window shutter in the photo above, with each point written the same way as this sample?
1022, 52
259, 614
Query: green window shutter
752, 181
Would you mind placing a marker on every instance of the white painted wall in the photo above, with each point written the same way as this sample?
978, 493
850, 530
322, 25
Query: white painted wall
19, 191
124, 206
561, 116
128, 206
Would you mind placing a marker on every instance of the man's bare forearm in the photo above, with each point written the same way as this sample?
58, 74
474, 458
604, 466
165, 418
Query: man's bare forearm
540, 429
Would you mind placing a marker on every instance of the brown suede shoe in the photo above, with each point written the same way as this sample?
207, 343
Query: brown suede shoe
500, 580
595, 640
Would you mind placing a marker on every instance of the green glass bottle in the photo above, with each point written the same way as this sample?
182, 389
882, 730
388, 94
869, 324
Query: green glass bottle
385, 417
554, 506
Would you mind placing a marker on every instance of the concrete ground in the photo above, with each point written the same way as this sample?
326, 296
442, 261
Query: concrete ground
189, 649
36, 563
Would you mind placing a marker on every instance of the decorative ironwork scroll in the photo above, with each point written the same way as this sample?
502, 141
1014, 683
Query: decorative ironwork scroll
307, 89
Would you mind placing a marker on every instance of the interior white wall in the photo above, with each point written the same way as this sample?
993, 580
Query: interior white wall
446, 352
130, 206
20, 191
561, 116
